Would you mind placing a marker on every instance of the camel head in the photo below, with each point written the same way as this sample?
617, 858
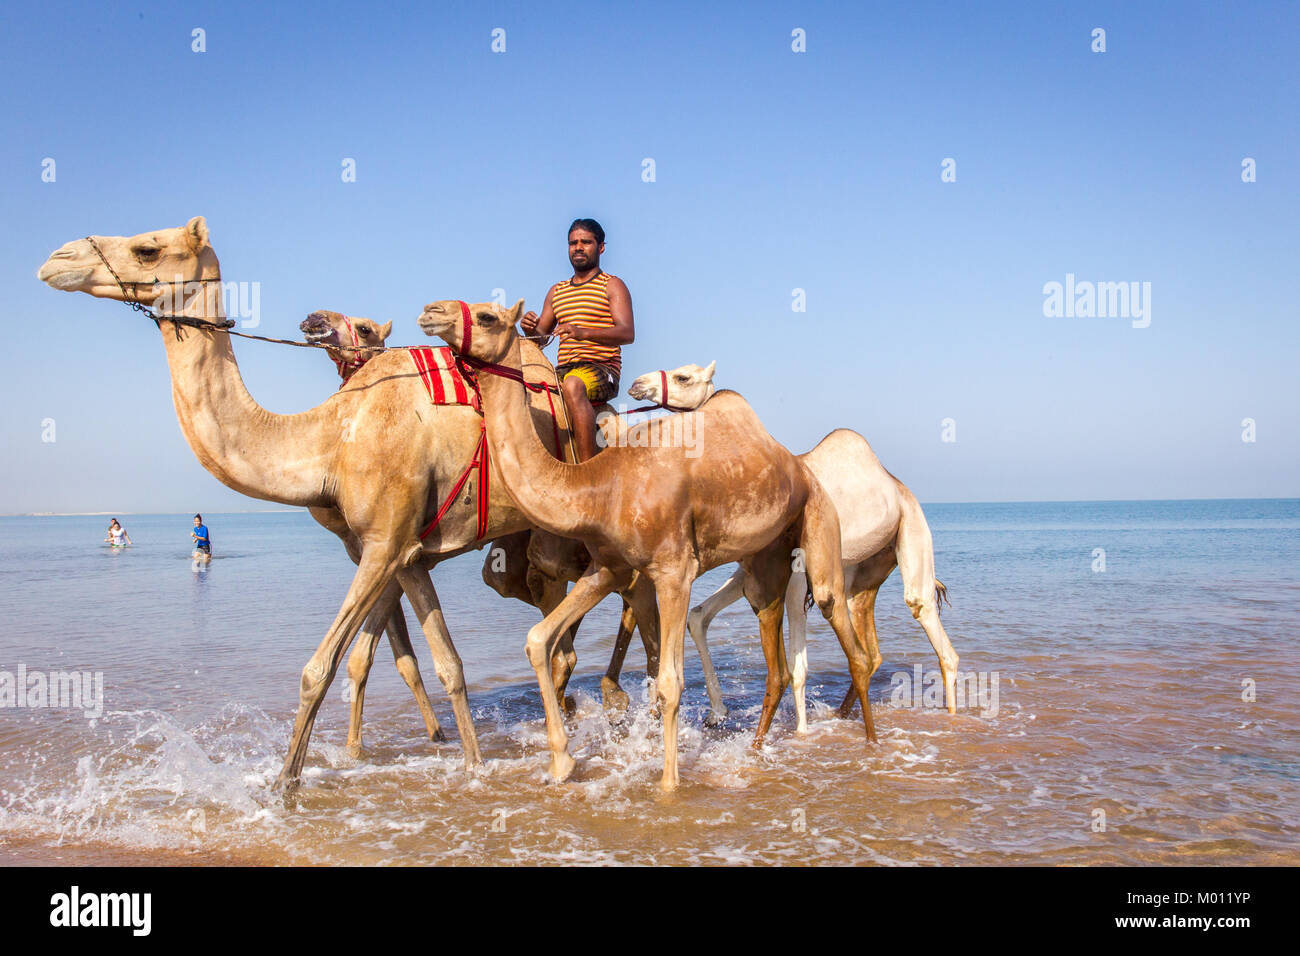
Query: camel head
168, 257
350, 338
688, 387
492, 326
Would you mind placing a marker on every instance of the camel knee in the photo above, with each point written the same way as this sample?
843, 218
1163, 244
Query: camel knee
452, 676
669, 690
359, 669
313, 683
535, 646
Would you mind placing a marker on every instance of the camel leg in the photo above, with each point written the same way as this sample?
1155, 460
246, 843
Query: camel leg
698, 623
915, 553
373, 575
769, 631
820, 540
446, 662
645, 611
362, 658
797, 616
612, 695
404, 656
596, 582
674, 595
548, 592
868, 576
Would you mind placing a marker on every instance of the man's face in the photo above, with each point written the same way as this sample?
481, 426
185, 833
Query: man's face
584, 250
196, 522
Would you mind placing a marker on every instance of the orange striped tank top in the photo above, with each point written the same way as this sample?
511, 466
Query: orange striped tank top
586, 305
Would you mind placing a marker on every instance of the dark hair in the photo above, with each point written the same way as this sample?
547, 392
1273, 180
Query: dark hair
200, 517
591, 226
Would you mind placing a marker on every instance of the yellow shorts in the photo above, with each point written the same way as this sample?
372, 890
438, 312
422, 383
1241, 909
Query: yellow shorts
601, 380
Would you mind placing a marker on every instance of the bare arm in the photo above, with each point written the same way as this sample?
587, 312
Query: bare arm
532, 324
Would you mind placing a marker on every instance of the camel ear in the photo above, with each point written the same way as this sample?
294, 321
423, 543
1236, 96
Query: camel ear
516, 311
196, 231
385, 330
708, 372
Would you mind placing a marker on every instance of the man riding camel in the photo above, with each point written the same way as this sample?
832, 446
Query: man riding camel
591, 315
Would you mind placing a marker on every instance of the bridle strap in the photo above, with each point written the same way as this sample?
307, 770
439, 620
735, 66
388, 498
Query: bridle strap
357, 362
133, 301
663, 403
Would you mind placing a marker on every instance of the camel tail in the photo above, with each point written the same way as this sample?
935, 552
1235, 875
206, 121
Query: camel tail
940, 596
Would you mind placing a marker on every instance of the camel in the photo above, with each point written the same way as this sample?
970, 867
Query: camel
351, 343
508, 568
666, 511
352, 340
377, 453
882, 526
535, 560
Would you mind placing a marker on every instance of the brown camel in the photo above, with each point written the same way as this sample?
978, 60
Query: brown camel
377, 452
882, 526
352, 341
538, 579
670, 511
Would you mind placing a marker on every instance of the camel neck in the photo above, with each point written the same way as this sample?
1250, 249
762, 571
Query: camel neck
278, 458
550, 493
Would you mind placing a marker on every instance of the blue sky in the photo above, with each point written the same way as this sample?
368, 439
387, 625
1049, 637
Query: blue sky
775, 170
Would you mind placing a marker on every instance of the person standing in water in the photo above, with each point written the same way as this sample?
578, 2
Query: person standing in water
117, 535
202, 541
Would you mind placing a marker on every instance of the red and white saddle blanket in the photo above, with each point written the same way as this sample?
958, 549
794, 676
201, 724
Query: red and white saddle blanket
442, 379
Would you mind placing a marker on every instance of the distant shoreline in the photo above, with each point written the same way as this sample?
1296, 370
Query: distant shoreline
101, 514
926, 504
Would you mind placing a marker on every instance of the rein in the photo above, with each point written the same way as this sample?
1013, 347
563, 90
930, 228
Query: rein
131, 299
469, 367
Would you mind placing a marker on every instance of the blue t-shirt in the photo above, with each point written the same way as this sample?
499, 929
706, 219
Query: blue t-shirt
201, 532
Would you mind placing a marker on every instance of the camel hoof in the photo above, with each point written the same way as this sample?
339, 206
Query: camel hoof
562, 767
801, 729
715, 718
614, 697
285, 784
356, 752
570, 706
438, 737
846, 712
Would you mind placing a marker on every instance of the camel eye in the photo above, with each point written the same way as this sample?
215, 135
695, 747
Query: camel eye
680, 379
487, 318
146, 252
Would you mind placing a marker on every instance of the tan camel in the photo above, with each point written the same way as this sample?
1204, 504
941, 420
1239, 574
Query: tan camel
667, 511
353, 341
350, 343
377, 451
533, 561
881, 526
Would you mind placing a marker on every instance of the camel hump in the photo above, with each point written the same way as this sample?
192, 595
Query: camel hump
846, 443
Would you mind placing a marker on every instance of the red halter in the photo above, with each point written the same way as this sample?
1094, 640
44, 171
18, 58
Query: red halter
357, 362
663, 399
469, 367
